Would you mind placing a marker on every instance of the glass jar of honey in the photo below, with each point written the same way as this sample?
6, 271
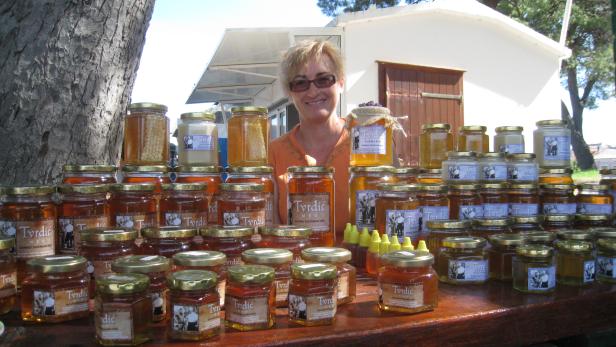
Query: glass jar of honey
433, 205
210, 175
82, 207
575, 263
250, 302
241, 204
156, 268
538, 237
289, 237
312, 294
577, 235
486, 227
311, 202
523, 199
56, 289
146, 134
347, 274
205, 260
462, 260
473, 138
557, 199
183, 205
8, 275
500, 255
434, 143
133, 206
167, 241
594, 198
28, 215
256, 174
440, 229
606, 260
280, 260
122, 310
195, 305
364, 192
492, 167
397, 210
465, 201
555, 176
534, 270
406, 175
553, 222
552, 143
407, 282
461, 167
587, 221
88, 174
371, 136
199, 139
430, 176
509, 139
249, 129
526, 223
231, 241
153, 174
495, 200
522, 167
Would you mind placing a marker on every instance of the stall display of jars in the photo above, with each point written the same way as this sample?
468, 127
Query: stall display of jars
371, 131
465, 201
146, 134
557, 199
495, 200
210, 176
509, 139
461, 167
241, 204
398, 212
88, 174
552, 143
256, 174
522, 167
198, 139
183, 205
473, 138
249, 130
594, 198
492, 167
434, 143
363, 193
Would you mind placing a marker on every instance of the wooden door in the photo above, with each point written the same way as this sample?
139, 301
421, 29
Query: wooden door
424, 94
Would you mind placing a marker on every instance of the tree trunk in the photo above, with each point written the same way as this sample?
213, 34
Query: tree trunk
583, 157
66, 72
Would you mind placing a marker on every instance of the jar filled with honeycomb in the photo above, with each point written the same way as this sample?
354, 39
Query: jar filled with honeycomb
534, 270
363, 192
552, 143
312, 294
210, 176
495, 200
183, 205
461, 167
280, 260
492, 167
406, 175
371, 136
440, 229
465, 201
606, 261
146, 134
523, 199
434, 143
347, 274
8, 275
594, 198
249, 129
231, 241
555, 176
509, 139
433, 205
88, 174
522, 167
553, 222
462, 260
250, 302
133, 206
289, 237
256, 174
473, 138
397, 210
587, 221
167, 241
241, 204
575, 263
205, 260
557, 199
500, 255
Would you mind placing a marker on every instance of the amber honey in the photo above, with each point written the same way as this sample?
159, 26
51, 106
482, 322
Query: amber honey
473, 138
146, 134
231, 241
205, 260
555, 176
250, 302
440, 229
347, 274
398, 211
534, 270
133, 206
311, 202
241, 204
371, 136
462, 260
587, 221
153, 174
256, 174
167, 241
289, 237
430, 176
363, 193
523, 199
465, 201
557, 199
594, 198
83, 207
8, 275
280, 261
433, 205
312, 294
500, 255
210, 175
486, 227
406, 175
495, 200
434, 143
88, 174
575, 263
183, 205
249, 129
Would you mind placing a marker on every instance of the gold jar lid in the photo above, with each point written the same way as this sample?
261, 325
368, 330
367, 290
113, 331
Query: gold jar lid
310, 169
370, 111
547, 186
133, 187
495, 185
556, 171
190, 280
185, 187
141, 264
604, 232
207, 116
558, 218
251, 274
436, 126
256, 109
117, 284
250, 169
199, 258
527, 219
550, 122
506, 239
397, 187
574, 246
267, 256
285, 231
326, 254
89, 168
408, 259
538, 236
437, 172
242, 187
493, 222
57, 264
460, 242
28, 190
145, 168
140, 106
497, 155
83, 188
453, 154
607, 244
449, 224
523, 186
508, 128
521, 156
379, 169
593, 187
314, 271
473, 128
199, 169
465, 186
574, 234
593, 217
168, 232
433, 187
7, 242
108, 235
406, 170
535, 251
230, 231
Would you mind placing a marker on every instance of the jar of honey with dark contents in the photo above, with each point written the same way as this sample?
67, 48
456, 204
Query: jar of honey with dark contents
587, 221
88, 174
167, 241
398, 210
526, 223
523, 199
146, 134
465, 201
8, 274
434, 143
248, 128
205, 260
433, 205
347, 274
440, 229
555, 176
500, 255
241, 204
82, 207
133, 206
231, 241
575, 263
406, 174
557, 199
534, 270
256, 174
363, 192
553, 222
430, 176
486, 227
593, 198
183, 205
250, 302
280, 260
495, 200
289, 237
153, 174
210, 175
312, 294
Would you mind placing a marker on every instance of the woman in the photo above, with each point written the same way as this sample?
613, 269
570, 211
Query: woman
312, 74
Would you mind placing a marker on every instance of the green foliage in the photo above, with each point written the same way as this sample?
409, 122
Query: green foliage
332, 8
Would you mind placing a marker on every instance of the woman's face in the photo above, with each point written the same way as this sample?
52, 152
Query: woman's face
317, 104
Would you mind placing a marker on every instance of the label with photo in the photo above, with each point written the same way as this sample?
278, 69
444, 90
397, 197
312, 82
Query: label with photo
541, 278
365, 208
136, 221
198, 143
221, 288
555, 208
282, 289
468, 270
399, 295
429, 213
313, 307
496, 210
470, 212
520, 209
522, 172
371, 139
185, 219
8, 284
115, 321
512, 148
70, 231
462, 172
159, 304
59, 302
402, 223
195, 319
253, 219
343, 285
557, 148
492, 172
589, 271
32, 238
310, 210
605, 267
594, 208
253, 310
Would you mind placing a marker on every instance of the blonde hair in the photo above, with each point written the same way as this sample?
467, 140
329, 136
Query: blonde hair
298, 56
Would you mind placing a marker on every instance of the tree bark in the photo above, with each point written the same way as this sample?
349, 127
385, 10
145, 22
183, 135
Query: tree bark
583, 157
66, 72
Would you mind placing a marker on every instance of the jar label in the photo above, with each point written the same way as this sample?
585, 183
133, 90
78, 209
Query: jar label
220, 288
32, 238
470, 212
461, 172
402, 223
589, 271
468, 270
194, 319
552, 208
269, 209
541, 278
371, 139
365, 208
59, 302
253, 310
310, 210
429, 213
313, 307
185, 219
594, 208
198, 143
282, 289
522, 172
605, 266
159, 304
511, 148
492, 172
115, 321
518, 209
247, 218
70, 231
231, 260
495, 210
212, 207
8, 282
343, 286
136, 221
96, 268
613, 193
397, 295
556, 148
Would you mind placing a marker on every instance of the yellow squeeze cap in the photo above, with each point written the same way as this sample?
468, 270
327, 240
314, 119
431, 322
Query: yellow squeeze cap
395, 244
422, 246
375, 243
407, 245
364, 238
354, 235
347, 232
384, 247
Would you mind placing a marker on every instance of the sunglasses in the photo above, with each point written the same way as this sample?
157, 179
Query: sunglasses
303, 84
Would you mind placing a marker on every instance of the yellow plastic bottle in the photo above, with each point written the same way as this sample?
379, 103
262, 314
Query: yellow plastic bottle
373, 254
362, 250
407, 245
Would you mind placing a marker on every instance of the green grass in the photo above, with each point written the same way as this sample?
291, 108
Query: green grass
586, 176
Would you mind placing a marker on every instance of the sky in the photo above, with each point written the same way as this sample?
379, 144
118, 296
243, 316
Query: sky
184, 34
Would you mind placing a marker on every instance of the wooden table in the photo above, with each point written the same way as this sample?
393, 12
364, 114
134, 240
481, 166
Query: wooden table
491, 314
